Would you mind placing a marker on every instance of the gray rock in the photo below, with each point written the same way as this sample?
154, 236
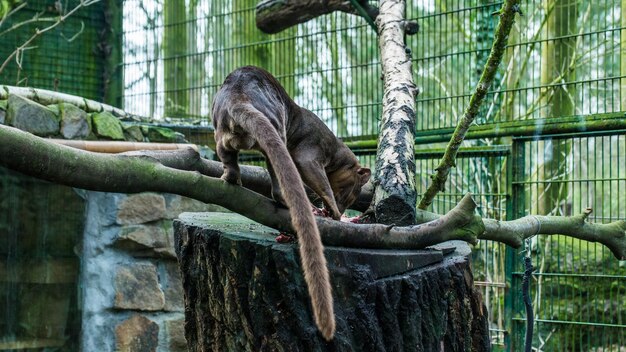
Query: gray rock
177, 204
141, 208
175, 335
74, 122
31, 117
133, 133
172, 287
3, 111
137, 334
137, 287
147, 240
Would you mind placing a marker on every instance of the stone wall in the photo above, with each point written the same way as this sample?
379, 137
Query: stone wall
130, 290
69, 121
132, 295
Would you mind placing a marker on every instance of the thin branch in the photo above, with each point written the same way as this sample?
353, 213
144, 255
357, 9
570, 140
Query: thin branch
39, 32
35, 19
507, 17
10, 13
76, 35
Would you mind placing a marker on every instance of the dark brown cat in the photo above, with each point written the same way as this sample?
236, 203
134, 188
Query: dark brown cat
253, 111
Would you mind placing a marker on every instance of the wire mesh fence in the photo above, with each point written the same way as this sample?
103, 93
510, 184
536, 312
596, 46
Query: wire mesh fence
41, 225
482, 172
578, 284
565, 61
70, 58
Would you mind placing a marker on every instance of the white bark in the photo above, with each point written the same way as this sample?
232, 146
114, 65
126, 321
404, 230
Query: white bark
395, 194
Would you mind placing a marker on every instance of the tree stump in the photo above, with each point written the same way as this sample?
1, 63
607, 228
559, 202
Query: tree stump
245, 292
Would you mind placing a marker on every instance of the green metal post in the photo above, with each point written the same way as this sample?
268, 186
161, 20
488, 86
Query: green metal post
114, 69
516, 168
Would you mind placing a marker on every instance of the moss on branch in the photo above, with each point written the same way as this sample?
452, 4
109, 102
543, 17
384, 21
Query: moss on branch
184, 172
137, 172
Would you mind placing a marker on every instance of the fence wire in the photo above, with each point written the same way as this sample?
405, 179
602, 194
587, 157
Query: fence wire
70, 58
565, 59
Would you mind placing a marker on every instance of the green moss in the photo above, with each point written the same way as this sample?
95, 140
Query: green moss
108, 126
3, 104
56, 110
161, 134
133, 133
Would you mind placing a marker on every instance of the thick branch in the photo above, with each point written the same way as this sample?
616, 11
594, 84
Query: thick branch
254, 178
131, 173
273, 16
507, 17
512, 233
164, 171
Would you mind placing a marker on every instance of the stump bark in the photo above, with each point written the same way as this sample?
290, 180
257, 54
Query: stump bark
245, 292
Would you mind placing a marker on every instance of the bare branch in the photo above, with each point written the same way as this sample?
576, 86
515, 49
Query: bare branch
47, 97
395, 195
38, 32
164, 171
513, 233
10, 13
132, 173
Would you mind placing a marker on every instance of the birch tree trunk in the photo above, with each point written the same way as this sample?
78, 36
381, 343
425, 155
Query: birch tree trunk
195, 61
395, 195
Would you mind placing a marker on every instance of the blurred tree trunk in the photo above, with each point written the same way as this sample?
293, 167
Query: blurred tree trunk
253, 47
557, 69
333, 86
197, 71
174, 58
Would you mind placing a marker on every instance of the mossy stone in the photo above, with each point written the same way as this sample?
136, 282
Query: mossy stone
56, 110
107, 126
133, 133
74, 122
3, 111
165, 135
32, 117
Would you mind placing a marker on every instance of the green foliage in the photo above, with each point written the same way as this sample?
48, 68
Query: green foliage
7, 5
